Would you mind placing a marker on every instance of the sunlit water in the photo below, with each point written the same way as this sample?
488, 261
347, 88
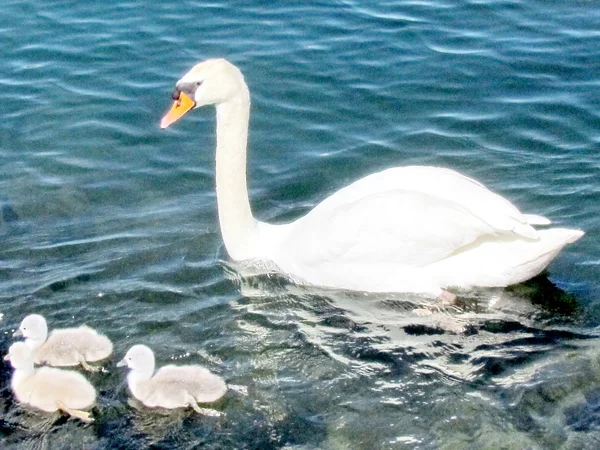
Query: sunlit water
110, 221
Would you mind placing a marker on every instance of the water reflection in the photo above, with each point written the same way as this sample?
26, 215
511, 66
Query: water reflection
479, 336
490, 366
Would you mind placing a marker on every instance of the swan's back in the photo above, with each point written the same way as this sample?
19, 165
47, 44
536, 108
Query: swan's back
68, 346
49, 385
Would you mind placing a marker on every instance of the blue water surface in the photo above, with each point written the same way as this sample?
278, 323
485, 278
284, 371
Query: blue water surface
110, 221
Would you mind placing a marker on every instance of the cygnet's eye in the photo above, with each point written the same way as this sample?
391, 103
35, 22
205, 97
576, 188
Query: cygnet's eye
198, 83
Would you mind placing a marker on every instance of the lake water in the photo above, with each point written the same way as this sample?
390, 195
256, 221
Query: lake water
108, 220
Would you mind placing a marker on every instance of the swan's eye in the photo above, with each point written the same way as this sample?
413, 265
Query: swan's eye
198, 83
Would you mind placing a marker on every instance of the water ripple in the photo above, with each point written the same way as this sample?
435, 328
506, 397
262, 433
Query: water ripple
108, 220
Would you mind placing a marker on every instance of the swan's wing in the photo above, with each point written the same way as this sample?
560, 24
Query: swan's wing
95, 346
444, 184
49, 385
164, 394
395, 227
65, 346
198, 381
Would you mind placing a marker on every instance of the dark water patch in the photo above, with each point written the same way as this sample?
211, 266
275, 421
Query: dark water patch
418, 330
9, 215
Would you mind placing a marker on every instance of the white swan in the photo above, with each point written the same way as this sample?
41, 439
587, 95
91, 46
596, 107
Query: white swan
66, 346
406, 229
171, 386
48, 388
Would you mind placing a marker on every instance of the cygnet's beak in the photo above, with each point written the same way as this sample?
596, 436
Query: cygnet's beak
7, 357
181, 106
122, 363
18, 333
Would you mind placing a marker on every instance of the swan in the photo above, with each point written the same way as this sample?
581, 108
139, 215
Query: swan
63, 347
414, 229
48, 388
171, 386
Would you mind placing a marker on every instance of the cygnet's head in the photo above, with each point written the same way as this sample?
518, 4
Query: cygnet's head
33, 327
139, 358
213, 81
20, 356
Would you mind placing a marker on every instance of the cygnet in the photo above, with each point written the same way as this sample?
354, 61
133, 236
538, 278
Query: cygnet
172, 386
66, 346
48, 388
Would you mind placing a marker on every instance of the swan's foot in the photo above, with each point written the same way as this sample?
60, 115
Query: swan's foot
204, 411
422, 312
82, 415
446, 298
207, 412
87, 366
238, 388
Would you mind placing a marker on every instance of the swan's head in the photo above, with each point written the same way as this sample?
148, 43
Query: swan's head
139, 358
20, 356
33, 327
213, 81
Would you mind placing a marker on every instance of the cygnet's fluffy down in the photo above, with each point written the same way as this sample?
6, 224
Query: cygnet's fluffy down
172, 386
63, 347
48, 388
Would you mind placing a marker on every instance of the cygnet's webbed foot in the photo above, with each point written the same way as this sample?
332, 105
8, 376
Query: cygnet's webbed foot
82, 415
243, 390
87, 366
204, 411
207, 411
446, 298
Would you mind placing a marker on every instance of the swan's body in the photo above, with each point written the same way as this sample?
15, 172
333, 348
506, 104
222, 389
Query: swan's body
406, 229
171, 386
63, 347
48, 388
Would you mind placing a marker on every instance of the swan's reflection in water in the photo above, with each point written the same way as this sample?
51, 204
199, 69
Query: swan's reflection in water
398, 362
373, 333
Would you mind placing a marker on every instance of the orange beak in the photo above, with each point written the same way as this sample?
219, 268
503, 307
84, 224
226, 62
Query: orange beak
179, 108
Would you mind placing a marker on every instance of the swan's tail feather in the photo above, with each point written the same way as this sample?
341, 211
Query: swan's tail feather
573, 235
534, 219
502, 262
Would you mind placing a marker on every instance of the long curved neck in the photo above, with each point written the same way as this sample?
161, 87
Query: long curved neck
238, 226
